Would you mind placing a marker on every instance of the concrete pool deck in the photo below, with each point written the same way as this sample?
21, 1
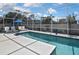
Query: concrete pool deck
20, 45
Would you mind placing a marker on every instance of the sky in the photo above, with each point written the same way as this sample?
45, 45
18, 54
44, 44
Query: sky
42, 9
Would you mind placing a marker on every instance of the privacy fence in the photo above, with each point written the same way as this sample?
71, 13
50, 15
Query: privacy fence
72, 29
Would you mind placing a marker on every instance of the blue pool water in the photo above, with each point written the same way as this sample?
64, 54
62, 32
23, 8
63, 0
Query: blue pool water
64, 46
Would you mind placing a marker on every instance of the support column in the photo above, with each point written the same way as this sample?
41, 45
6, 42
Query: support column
51, 24
3, 21
40, 24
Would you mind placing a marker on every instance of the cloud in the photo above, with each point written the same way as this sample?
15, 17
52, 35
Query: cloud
32, 4
45, 15
76, 13
60, 3
6, 7
51, 10
1, 10
38, 14
22, 9
0, 15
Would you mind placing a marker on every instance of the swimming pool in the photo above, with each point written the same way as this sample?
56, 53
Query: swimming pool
64, 46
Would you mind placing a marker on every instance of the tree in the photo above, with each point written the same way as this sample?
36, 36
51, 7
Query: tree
71, 19
46, 20
9, 17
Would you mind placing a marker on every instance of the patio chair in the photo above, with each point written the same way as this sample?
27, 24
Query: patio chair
13, 29
6, 29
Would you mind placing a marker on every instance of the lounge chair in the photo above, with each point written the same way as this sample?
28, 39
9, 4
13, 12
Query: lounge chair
21, 28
